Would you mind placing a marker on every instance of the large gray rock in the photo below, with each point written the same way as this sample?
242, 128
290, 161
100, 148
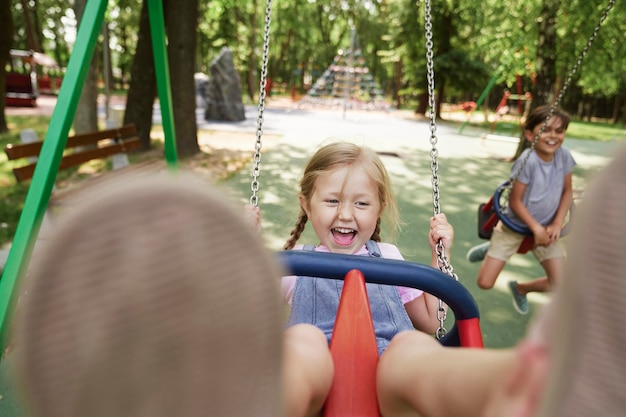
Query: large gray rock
201, 80
223, 90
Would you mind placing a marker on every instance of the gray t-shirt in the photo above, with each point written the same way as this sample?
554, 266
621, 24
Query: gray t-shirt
544, 184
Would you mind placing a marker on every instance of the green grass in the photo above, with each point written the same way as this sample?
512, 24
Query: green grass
12, 193
596, 131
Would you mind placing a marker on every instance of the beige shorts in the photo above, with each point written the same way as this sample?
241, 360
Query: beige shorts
505, 242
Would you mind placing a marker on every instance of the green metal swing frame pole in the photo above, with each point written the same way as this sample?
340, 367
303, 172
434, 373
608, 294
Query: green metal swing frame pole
479, 102
54, 143
159, 48
47, 166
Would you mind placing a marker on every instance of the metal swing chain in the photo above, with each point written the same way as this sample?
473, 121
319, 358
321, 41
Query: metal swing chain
442, 261
556, 103
256, 160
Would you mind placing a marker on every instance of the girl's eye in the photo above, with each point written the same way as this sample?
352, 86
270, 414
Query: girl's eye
362, 203
332, 201
549, 130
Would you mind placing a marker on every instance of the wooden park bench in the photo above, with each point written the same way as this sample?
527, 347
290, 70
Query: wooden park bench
85, 147
80, 149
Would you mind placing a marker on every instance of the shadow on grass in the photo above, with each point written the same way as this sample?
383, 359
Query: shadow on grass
465, 182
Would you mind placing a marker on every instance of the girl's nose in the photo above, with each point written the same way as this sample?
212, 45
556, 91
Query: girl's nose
344, 211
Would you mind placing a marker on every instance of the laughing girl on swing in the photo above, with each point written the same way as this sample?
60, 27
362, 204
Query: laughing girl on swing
344, 192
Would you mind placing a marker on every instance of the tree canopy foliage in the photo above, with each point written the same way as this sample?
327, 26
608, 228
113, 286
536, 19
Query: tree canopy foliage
473, 42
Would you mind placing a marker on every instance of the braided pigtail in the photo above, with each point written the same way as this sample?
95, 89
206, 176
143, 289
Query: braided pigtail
376, 235
296, 231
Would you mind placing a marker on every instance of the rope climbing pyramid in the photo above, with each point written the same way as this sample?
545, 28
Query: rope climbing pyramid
346, 82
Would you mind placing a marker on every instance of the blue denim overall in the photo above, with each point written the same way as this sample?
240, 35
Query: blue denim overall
316, 300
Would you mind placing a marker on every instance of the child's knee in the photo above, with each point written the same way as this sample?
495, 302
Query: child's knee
308, 370
485, 282
307, 334
489, 272
407, 343
415, 338
399, 365
307, 343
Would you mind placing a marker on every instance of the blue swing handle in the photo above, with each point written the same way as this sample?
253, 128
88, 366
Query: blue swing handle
523, 230
390, 272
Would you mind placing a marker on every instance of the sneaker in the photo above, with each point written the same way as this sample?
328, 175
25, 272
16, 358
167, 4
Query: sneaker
478, 252
520, 302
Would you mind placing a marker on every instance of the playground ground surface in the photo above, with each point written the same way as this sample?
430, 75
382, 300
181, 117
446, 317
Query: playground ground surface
470, 168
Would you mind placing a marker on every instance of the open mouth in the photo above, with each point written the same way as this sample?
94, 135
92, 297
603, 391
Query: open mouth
343, 236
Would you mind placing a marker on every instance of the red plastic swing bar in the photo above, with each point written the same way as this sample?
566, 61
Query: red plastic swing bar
355, 355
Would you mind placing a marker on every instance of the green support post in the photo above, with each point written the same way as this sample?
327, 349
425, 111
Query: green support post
47, 167
481, 98
157, 30
54, 143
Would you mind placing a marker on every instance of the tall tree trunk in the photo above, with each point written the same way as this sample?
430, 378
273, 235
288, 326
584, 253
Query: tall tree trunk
624, 110
6, 40
182, 21
397, 83
253, 87
546, 55
422, 103
446, 32
142, 89
543, 91
32, 35
86, 117
107, 57
284, 49
123, 66
617, 104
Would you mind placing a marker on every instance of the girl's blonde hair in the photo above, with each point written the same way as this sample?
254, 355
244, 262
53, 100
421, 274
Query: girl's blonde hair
340, 154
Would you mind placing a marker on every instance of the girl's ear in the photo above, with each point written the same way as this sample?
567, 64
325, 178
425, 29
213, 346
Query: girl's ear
530, 136
304, 203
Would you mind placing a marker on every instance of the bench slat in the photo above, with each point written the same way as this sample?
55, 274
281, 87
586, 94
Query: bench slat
26, 172
93, 137
23, 150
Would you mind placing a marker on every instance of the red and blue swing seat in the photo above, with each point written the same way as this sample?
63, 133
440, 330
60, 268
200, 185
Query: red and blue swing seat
353, 346
491, 212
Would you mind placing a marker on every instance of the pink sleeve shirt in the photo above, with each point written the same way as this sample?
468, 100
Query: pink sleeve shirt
388, 251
